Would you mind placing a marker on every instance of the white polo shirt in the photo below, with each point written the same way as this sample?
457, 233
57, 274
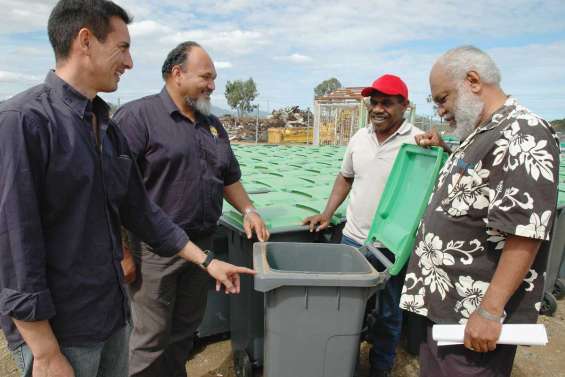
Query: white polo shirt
370, 163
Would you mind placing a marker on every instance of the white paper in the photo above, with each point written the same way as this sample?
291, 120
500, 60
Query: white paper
524, 335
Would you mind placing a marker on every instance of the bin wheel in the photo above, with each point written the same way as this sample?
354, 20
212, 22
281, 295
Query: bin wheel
559, 289
242, 364
548, 304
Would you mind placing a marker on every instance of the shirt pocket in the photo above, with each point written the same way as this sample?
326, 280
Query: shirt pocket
218, 156
117, 175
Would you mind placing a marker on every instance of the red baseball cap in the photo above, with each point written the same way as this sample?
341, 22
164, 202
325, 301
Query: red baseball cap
387, 84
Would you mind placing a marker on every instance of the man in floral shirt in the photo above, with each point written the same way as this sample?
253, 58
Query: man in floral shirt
478, 259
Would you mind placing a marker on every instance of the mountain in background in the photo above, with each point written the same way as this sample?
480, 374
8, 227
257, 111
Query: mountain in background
218, 111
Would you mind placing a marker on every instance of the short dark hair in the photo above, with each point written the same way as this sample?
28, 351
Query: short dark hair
69, 16
177, 56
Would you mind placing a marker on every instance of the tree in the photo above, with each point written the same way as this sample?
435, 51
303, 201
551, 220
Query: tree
240, 94
558, 124
327, 86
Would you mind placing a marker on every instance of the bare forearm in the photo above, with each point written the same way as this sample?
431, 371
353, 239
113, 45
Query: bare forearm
340, 190
516, 259
39, 337
236, 195
192, 253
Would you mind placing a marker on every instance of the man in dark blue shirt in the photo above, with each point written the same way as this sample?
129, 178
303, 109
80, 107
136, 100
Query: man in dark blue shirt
68, 183
188, 167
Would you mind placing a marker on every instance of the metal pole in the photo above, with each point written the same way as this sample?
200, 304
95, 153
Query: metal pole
307, 125
257, 126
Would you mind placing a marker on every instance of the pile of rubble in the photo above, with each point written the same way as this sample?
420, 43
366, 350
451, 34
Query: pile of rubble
245, 129
291, 116
248, 127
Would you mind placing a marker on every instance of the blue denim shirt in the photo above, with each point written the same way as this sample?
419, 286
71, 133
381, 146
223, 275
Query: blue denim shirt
63, 199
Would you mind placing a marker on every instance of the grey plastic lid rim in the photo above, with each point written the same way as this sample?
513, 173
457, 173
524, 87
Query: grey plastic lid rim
267, 279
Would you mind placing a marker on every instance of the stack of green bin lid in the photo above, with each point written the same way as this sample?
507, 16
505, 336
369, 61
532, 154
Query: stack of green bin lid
287, 183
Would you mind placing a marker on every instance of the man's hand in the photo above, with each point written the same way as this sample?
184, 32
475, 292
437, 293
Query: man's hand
252, 222
323, 219
52, 365
128, 266
431, 138
227, 275
481, 334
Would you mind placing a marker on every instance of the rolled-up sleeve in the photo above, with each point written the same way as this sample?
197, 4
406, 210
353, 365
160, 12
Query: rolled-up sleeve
24, 293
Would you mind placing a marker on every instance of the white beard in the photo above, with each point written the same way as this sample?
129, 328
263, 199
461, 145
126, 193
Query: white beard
467, 112
202, 105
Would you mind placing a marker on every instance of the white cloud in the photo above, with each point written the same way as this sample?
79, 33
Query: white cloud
294, 58
147, 28
32, 52
289, 47
14, 77
231, 41
223, 65
24, 16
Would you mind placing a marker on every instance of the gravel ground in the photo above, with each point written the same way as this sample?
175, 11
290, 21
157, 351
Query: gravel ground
213, 358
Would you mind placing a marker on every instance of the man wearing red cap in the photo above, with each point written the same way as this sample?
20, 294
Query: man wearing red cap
367, 163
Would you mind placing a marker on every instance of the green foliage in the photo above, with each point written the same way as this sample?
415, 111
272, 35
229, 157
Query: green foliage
240, 94
327, 86
558, 124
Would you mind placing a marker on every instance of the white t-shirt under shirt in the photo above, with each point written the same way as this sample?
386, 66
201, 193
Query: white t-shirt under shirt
370, 163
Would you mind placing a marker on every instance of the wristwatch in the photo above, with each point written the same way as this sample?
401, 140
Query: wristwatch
209, 257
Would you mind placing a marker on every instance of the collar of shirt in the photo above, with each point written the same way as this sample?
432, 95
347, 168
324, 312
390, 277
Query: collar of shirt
75, 100
405, 128
500, 114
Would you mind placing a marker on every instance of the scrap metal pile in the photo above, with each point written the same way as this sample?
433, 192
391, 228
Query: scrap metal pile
246, 128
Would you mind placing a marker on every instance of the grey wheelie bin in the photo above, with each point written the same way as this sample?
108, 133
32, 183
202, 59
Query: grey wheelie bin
553, 289
246, 308
315, 297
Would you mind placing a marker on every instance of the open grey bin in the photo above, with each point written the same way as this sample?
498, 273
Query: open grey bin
315, 297
554, 288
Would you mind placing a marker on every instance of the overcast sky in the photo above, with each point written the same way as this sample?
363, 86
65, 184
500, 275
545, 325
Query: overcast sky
288, 47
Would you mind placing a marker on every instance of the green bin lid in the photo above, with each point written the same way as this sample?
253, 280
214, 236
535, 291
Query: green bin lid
316, 192
275, 197
278, 218
404, 199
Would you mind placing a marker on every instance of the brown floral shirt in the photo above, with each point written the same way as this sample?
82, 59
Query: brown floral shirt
502, 180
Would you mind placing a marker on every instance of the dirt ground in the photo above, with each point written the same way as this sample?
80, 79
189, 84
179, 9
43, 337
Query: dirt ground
213, 357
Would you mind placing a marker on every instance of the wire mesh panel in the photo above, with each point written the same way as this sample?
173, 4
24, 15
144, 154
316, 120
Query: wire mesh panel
338, 123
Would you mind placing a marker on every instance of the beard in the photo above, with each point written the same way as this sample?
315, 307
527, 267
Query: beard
201, 104
467, 112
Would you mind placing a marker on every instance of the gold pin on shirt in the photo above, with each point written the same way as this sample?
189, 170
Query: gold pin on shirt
214, 131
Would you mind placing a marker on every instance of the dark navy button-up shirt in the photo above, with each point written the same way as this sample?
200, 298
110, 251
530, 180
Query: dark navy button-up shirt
62, 200
184, 165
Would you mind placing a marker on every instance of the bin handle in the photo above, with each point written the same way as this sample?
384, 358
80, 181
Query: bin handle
380, 256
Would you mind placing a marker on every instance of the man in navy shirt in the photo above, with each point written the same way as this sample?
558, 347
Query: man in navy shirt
188, 167
68, 183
